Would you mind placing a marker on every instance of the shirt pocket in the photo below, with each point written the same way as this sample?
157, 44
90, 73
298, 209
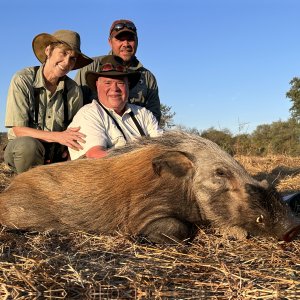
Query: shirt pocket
116, 138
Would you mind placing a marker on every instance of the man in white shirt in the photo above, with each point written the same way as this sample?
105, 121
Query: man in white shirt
112, 121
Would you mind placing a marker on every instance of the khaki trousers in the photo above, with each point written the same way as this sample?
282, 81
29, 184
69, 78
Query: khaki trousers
23, 153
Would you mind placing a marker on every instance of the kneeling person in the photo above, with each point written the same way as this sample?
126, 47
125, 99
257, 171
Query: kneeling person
112, 121
41, 102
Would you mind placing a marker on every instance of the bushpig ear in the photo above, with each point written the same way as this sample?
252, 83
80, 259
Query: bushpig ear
178, 163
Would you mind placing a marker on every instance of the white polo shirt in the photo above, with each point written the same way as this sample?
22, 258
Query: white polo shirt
101, 130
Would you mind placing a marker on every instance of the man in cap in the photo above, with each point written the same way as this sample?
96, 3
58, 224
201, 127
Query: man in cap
111, 121
41, 102
123, 41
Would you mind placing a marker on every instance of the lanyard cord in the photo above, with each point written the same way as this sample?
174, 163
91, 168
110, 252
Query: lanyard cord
137, 124
142, 133
115, 121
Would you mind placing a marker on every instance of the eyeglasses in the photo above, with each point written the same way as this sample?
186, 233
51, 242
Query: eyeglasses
120, 26
110, 67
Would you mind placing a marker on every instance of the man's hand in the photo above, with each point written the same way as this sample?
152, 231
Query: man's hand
71, 138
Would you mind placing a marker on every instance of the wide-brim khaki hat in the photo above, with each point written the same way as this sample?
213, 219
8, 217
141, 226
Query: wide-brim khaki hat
71, 38
112, 66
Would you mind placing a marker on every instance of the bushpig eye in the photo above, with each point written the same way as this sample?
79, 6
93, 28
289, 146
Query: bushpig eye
220, 172
260, 219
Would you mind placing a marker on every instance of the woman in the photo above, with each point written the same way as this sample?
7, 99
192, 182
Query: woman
42, 101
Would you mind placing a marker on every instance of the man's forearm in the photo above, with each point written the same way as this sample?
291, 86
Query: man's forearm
96, 152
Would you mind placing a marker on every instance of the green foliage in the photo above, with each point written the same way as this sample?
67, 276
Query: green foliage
223, 138
278, 137
294, 95
167, 115
192, 130
243, 144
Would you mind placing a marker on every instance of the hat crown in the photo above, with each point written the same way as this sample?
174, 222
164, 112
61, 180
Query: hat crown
128, 26
112, 66
69, 37
116, 62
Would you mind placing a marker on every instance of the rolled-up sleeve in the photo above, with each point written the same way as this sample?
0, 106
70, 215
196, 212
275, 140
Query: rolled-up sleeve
151, 124
92, 126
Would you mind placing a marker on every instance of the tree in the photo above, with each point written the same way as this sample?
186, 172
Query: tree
294, 95
277, 138
167, 115
243, 144
192, 130
221, 137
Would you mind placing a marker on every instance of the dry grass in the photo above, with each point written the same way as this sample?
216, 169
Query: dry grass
284, 171
82, 266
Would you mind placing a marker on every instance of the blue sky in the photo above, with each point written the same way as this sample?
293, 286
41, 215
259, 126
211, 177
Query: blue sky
218, 63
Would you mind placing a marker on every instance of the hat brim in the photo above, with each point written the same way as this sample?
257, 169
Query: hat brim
42, 40
91, 77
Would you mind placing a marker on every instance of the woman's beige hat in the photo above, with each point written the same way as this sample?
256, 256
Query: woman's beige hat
71, 38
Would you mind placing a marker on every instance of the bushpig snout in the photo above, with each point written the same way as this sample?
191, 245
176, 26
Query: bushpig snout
291, 225
273, 215
292, 233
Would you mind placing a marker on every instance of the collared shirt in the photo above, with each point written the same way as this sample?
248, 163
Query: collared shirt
145, 93
20, 108
101, 130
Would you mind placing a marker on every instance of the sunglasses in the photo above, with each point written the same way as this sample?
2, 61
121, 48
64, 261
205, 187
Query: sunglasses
120, 26
110, 67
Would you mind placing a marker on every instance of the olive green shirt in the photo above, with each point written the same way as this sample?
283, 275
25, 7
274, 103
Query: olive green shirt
20, 107
144, 94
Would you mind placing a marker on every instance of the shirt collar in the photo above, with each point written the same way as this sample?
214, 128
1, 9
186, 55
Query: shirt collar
39, 81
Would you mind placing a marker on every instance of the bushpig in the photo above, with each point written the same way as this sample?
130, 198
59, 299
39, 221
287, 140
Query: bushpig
161, 189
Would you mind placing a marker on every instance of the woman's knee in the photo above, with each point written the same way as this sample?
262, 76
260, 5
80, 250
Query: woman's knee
23, 153
28, 146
